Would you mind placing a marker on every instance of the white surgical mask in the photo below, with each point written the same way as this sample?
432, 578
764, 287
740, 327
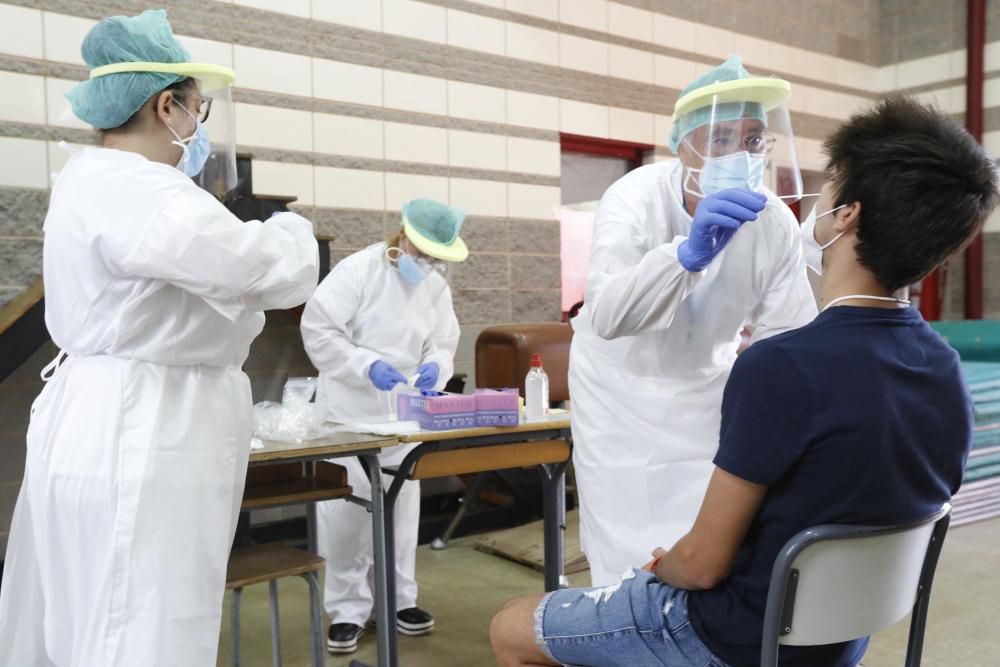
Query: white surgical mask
810, 246
741, 170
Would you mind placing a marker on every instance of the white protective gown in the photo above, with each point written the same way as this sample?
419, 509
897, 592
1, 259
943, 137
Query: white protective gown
652, 350
137, 446
361, 313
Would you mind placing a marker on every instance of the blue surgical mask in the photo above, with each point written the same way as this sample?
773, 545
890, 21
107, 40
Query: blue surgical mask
738, 170
741, 170
411, 270
195, 149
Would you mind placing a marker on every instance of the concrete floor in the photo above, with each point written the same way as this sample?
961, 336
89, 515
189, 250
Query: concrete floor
464, 588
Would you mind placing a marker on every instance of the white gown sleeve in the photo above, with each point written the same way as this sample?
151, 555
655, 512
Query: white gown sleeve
326, 321
632, 289
788, 302
440, 348
196, 244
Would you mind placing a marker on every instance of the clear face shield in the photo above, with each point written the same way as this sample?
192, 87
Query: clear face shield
738, 134
210, 149
414, 266
218, 119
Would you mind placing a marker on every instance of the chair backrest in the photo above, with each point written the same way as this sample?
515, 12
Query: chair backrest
837, 583
503, 356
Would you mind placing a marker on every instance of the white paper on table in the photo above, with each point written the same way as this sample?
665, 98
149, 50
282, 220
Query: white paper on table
379, 427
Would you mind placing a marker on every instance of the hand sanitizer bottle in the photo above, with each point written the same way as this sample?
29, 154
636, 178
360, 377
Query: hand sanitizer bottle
536, 390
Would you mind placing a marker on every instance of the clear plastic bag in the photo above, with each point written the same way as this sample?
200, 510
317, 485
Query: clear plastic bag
294, 419
298, 391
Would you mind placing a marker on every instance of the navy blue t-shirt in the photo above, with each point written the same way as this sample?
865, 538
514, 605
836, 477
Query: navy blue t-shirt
860, 417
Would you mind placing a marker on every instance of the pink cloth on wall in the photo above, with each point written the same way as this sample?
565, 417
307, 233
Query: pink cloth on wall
576, 236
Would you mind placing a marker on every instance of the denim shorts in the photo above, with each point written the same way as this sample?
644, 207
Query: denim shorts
638, 622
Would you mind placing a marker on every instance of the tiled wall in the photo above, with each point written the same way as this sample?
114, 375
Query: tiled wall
354, 106
910, 29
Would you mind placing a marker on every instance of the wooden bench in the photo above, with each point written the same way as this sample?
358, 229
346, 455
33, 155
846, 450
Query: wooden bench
276, 485
279, 484
270, 562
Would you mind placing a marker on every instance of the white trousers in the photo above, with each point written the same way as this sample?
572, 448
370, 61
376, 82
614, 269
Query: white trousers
344, 533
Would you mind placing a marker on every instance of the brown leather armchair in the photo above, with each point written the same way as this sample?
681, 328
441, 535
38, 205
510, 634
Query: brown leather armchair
503, 356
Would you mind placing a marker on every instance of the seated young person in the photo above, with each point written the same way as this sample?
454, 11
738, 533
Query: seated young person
861, 416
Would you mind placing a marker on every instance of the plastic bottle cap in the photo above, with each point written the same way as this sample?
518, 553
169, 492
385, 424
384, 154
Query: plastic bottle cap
536, 360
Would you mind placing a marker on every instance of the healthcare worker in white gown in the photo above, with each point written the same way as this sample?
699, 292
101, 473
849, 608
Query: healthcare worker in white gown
675, 275
383, 315
138, 444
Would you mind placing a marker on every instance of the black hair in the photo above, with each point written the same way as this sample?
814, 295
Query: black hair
181, 89
925, 187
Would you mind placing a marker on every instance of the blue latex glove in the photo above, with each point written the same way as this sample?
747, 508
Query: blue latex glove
384, 376
716, 219
428, 376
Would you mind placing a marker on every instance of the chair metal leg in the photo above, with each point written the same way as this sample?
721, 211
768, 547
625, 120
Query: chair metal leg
465, 504
275, 625
554, 522
316, 618
234, 629
918, 618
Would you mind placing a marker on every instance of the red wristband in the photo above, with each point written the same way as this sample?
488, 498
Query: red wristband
652, 566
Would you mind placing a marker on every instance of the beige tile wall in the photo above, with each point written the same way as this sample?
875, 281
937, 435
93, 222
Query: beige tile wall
353, 107
358, 105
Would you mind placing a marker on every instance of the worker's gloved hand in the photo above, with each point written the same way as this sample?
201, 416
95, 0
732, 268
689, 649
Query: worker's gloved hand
384, 376
716, 219
428, 376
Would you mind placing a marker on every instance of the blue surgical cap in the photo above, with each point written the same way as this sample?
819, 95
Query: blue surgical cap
108, 101
731, 70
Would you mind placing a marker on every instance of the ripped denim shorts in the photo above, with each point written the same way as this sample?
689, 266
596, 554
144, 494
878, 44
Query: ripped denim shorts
638, 622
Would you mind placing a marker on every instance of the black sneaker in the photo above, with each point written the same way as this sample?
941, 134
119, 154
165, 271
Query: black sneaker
414, 622
343, 637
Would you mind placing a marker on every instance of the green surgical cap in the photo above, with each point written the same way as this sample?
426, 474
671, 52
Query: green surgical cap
437, 227
108, 101
731, 70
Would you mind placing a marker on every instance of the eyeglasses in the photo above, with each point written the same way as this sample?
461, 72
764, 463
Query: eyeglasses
426, 261
204, 108
755, 144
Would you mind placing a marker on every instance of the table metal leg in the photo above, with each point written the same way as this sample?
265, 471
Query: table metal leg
390, 567
385, 629
554, 508
313, 540
234, 626
275, 624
